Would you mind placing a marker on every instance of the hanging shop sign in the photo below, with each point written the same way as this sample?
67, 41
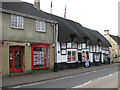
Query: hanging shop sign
86, 63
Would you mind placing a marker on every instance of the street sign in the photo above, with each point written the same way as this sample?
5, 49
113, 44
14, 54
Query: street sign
87, 64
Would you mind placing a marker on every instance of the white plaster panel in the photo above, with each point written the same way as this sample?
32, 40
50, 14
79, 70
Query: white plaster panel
83, 45
60, 58
91, 57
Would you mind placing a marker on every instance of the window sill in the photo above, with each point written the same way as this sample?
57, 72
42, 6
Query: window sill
17, 28
40, 31
40, 68
72, 61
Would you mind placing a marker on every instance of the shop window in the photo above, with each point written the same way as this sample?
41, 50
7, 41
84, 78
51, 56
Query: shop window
85, 56
71, 56
40, 56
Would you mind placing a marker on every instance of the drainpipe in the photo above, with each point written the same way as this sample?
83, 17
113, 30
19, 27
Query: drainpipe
55, 49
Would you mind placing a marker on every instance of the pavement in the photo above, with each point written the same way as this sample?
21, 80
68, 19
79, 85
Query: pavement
38, 77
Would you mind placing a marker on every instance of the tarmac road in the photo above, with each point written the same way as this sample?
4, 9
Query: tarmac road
76, 80
110, 81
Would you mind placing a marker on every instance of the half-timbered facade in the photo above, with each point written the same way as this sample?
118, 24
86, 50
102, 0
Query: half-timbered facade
78, 46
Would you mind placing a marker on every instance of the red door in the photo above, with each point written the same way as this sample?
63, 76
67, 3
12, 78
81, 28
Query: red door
15, 59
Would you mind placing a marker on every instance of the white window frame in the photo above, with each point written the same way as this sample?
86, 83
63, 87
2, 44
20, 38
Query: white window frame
71, 56
69, 45
63, 45
74, 45
79, 46
39, 26
20, 26
83, 45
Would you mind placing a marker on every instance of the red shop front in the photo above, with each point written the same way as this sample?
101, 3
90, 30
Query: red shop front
15, 59
40, 56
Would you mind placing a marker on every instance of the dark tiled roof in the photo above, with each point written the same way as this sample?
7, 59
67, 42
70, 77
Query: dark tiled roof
116, 38
93, 38
104, 41
67, 28
26, 8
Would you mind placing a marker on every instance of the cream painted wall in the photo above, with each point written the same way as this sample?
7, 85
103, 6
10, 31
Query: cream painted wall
113, 49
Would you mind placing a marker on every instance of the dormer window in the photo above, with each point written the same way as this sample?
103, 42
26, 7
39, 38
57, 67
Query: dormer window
16, 21
40, 26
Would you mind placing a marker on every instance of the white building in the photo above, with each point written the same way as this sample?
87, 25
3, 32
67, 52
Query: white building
78, 46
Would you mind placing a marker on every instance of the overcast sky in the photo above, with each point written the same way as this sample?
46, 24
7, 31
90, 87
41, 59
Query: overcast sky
98, 15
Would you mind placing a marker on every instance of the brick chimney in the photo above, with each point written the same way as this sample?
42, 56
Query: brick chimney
37, 3
106, 32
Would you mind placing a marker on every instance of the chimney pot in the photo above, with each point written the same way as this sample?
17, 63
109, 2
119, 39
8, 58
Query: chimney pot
37, 3
106, 32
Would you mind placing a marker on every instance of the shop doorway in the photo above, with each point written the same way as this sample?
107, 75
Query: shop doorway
15, 59
80, 57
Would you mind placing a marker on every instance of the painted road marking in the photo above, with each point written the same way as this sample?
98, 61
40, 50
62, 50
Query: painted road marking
82, 84
94, 80
53, 80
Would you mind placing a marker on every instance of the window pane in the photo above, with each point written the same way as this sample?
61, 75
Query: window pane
73, 56
40, 25
63, 45
40, 57
17, 21
69, 56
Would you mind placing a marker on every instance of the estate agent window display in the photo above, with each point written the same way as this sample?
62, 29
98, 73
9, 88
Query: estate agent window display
40, 56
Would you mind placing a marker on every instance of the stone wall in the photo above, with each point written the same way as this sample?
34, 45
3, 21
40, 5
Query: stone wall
113, 49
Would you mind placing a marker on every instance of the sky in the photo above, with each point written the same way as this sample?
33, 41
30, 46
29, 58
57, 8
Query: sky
97, 15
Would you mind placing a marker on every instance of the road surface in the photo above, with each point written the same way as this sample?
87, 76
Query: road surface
109, 81
109, 74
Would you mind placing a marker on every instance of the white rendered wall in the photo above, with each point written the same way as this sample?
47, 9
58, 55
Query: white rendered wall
60, 58
91, 57
63, 58
102, 58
